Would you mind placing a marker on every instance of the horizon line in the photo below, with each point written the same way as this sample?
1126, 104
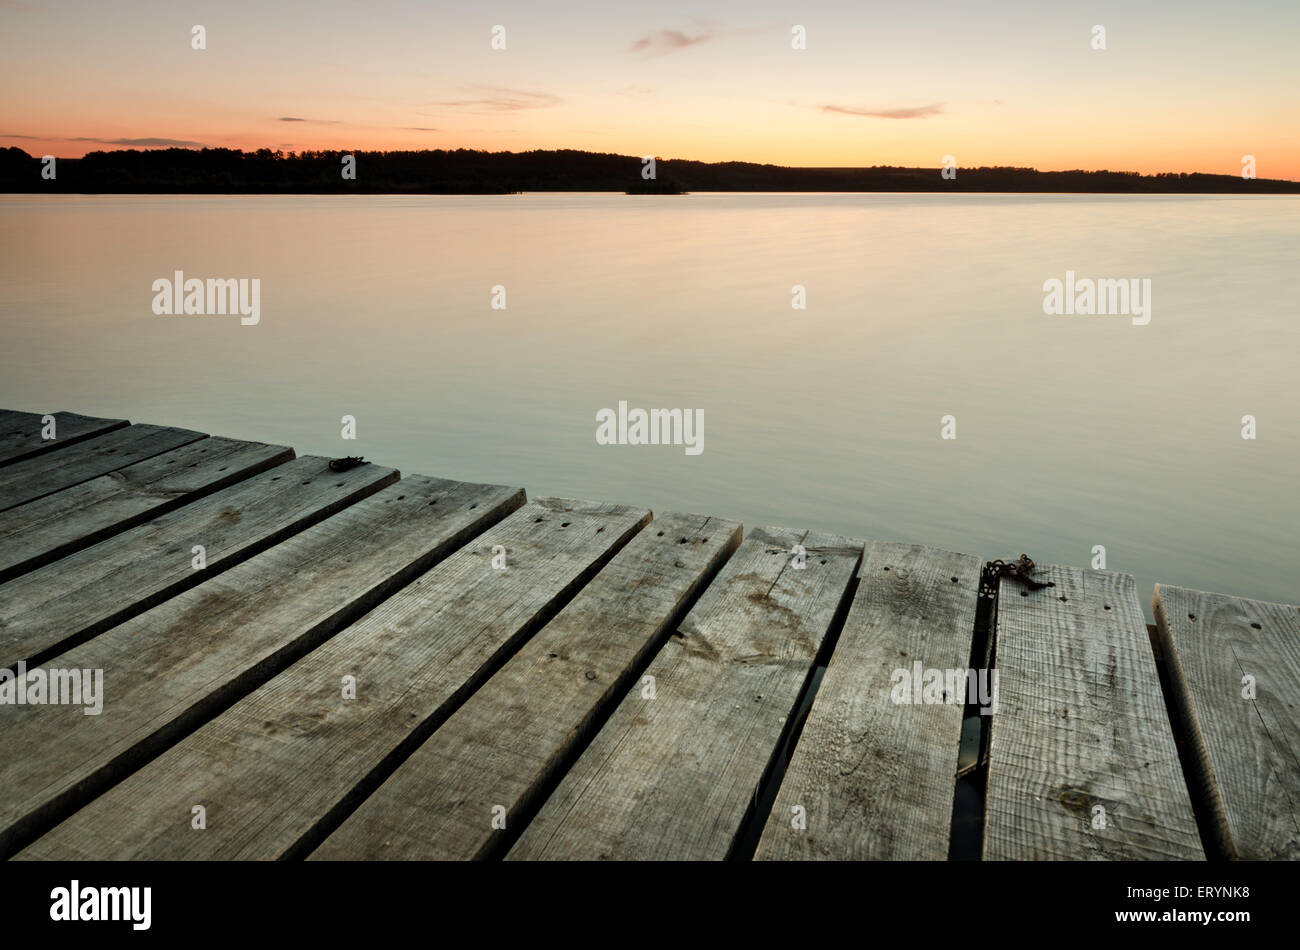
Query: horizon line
657, 158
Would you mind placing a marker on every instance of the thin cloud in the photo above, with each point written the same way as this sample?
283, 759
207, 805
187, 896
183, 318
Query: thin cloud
499, 99
294, 118
415, 128
140, 143
660, 42
915, 112
15, 135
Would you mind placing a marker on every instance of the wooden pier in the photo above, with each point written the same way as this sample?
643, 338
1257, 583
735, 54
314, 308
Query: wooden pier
305, 662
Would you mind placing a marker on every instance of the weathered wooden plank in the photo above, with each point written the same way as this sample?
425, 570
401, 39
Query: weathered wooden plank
1234, 672
500, 748
21, 432
41, 531
873, 774
173, 667
673, 776
279, 769
55, 607
47, 473
1082, 761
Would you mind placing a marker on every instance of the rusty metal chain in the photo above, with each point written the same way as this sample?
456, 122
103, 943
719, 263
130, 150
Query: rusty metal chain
1021, 569
347, 462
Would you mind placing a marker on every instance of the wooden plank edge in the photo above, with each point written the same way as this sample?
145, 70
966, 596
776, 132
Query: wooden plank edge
366, 785
364, 490
1198, 772
61, 442
45, 817
286, 454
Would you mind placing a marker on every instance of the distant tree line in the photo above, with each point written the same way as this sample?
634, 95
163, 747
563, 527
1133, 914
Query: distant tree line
469, 171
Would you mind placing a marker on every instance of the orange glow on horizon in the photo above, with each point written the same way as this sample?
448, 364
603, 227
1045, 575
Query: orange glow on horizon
871, 87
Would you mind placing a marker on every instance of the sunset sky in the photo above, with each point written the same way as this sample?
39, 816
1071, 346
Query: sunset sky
1182, 86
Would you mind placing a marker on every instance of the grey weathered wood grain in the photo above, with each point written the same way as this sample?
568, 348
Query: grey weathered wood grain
173, 667
49, 472
1246, 752
872, 778
55, 607
511, 736
673, 777
278, 769
1081, 726
20, 432
35, 533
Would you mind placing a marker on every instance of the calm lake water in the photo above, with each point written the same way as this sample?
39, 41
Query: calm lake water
1072, 431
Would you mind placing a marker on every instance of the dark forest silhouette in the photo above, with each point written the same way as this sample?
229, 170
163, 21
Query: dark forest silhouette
467, 171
